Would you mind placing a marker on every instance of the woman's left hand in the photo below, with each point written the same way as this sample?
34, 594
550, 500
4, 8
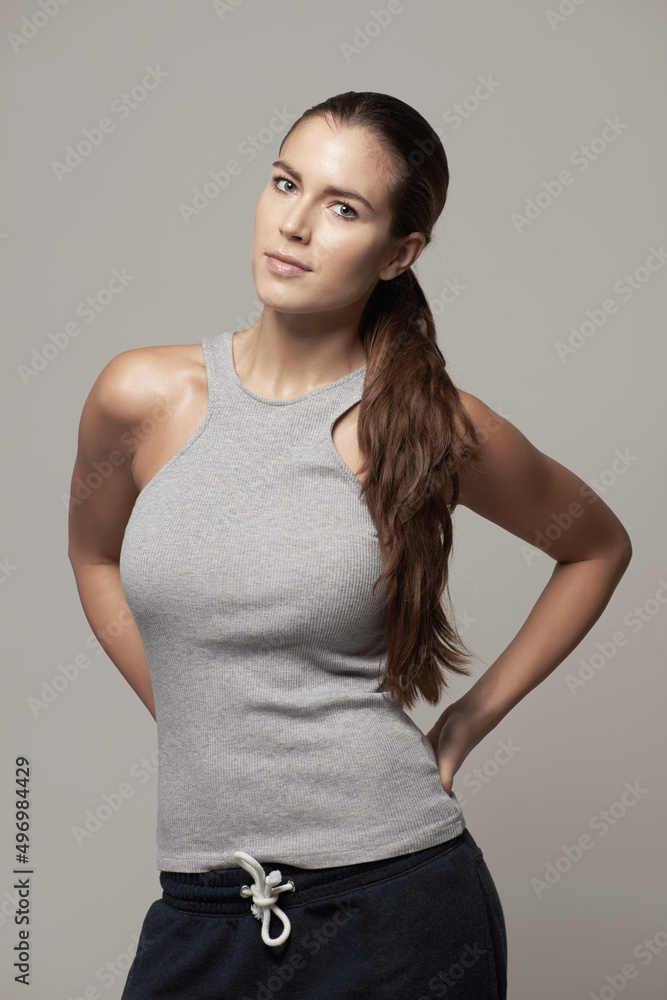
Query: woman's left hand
453, 737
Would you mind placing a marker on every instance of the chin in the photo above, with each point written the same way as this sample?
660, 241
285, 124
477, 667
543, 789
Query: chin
277, 296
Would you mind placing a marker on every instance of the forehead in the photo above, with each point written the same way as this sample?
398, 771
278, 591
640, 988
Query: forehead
345, 156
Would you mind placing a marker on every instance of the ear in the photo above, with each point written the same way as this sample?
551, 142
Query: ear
405, 253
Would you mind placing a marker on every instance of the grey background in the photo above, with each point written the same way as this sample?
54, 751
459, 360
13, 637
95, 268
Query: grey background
555, 82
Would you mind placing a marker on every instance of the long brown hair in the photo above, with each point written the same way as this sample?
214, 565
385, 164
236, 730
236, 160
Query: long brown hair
412, 428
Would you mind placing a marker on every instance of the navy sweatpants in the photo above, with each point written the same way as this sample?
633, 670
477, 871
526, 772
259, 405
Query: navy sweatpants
413, 927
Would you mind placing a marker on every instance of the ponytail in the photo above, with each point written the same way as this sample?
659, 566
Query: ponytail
414, 433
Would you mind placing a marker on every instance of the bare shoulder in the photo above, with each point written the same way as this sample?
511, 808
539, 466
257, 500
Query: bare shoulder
507, 461
486, 423
477, 410
527, 492
141, 399
140, 383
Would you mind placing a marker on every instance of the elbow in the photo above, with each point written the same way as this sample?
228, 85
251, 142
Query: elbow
625, 547
77, 557
627, 555
623, 551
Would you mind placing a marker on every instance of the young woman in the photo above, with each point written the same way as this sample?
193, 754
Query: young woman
278, 519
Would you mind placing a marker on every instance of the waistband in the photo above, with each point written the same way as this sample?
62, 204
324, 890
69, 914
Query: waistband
225, 891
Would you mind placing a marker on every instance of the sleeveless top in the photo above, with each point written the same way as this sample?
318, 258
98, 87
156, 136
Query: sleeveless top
248, 562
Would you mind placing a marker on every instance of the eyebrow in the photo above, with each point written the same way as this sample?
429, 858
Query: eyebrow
327, 190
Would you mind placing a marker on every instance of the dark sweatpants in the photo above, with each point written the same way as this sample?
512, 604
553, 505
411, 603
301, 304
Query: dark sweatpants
413, 927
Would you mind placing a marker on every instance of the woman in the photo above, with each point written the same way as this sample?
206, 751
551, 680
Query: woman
279, 518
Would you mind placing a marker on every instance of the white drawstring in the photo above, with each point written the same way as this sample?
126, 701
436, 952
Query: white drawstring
265, 901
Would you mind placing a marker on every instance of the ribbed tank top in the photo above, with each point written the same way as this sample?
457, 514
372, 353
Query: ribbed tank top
248, 562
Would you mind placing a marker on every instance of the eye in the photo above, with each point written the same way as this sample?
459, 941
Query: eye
347, 218
345, 205
277, 179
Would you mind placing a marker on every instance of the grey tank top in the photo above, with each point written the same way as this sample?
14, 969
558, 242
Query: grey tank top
248, 562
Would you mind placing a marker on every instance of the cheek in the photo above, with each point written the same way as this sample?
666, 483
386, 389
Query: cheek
354, 259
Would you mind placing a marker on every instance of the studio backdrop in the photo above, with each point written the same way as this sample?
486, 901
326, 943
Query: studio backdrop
137, 138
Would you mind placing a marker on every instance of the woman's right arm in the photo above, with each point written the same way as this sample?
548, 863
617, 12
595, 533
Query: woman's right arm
102, 496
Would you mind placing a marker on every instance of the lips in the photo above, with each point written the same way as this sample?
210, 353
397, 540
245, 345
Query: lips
288, 259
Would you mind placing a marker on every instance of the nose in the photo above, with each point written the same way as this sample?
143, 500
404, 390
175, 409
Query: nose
294, 223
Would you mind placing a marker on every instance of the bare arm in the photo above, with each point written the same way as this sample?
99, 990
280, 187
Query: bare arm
520, 488
102, 496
